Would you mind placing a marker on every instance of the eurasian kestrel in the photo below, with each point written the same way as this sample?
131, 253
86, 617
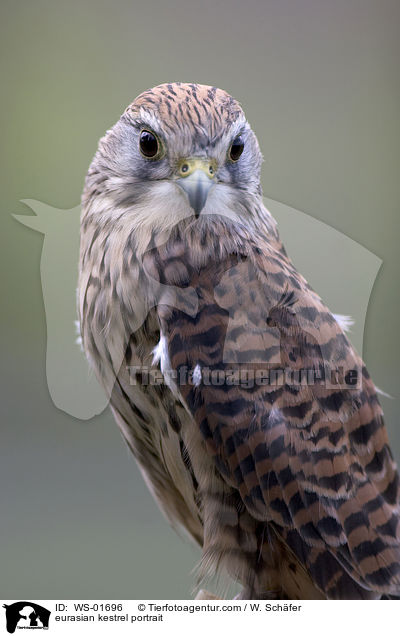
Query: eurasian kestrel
265, 438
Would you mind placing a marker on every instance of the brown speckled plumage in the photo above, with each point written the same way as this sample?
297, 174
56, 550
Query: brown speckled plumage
291, 487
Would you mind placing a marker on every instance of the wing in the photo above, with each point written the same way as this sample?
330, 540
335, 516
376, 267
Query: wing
308, 456
148, 416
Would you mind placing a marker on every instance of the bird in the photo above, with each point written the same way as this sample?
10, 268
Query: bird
254, 422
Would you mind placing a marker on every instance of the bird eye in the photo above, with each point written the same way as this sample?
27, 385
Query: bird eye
236, 148
148, 144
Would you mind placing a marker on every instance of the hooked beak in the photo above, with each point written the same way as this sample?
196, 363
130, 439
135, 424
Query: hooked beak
196, 177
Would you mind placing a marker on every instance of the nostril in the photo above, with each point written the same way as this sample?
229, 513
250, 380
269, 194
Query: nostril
211, 170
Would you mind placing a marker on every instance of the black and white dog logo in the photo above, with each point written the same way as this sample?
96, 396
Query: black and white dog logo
26, 615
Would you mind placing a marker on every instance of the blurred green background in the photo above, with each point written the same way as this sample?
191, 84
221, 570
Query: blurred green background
319, 83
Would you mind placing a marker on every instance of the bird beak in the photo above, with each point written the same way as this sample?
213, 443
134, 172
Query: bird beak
196, 177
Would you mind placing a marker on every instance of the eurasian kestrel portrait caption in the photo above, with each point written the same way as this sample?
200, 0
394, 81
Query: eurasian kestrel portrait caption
253, 420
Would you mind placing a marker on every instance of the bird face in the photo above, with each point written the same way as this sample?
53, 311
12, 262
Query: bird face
180, 150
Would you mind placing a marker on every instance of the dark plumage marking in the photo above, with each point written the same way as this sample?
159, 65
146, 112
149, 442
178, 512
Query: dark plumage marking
174, 420
93, 240
329, 526
132, 406
298, 411
271, 397
335, 437
230, 446
380, 577
94, 281
310, 498
169, 107
390, 527
391, 493
247, 466
308, 312
260, 452
230, 409
377, 463
336, 344
286, 476
319, 455
211, 93
365, 373
366, 549
334, 401
204, 107
196, 110
354, 521
277, 447
255, 493
296, 504
320, 435
188, 464
363, 433
279, 506
373, 505
309, 533
171, 90
205, 429
335, 482
209, 338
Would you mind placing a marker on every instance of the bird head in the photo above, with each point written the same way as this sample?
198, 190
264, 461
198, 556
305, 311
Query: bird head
178, 150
